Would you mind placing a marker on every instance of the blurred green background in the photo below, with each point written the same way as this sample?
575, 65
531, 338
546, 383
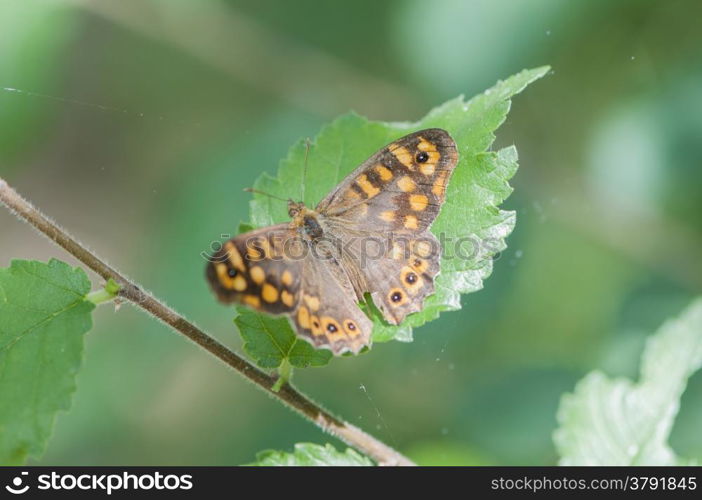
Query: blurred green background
136, 124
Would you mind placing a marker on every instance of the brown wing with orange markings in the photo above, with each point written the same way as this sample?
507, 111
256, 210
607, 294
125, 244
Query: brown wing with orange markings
258, 269
399, 188
273, 270
393, 198
328, 315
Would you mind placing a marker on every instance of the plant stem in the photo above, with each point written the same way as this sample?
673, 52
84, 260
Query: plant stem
99, 296
105, 294
284, 374
288, 395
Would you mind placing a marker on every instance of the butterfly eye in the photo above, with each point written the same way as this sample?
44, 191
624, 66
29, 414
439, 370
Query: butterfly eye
232, 273
422, 157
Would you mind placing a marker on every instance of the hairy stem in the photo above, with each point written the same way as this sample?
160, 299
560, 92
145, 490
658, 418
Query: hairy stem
287, 394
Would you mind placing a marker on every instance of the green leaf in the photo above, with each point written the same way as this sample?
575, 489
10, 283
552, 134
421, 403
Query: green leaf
619, 422
270, 340
309, 454
43, 317
471, 214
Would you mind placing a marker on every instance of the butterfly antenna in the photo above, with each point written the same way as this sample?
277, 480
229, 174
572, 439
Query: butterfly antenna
252, 190
308, 145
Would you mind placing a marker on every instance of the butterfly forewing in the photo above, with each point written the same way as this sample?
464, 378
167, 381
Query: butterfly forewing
257, 269
400, 188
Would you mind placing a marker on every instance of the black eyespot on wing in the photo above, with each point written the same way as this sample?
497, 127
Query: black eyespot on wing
232, 272
411, 278
422, 157
396, 297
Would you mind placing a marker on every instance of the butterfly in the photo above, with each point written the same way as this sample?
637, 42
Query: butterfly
367, 239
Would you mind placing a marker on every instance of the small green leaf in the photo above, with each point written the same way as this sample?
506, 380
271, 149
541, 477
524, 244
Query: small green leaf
309, 454
269, 340
470, 219
43, 317
619, 422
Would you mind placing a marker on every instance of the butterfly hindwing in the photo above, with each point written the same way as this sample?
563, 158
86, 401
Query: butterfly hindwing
400, 280
328, 315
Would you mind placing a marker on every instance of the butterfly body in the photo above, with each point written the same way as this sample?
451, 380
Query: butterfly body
306, 219
368, 236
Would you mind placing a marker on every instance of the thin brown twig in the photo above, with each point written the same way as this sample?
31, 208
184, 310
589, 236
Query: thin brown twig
288, 395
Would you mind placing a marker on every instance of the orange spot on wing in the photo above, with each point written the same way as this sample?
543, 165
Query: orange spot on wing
303, 317
367, 186
312, 302
406, 184
419, 265
418, 202
234, 256
287, 298
423, 249
240, 283
223, 275
252, 300
404, 156
316, 325
398, 251
439, 187
269, 293
387, 216
350, 194
428, 168
384, 172
257, 274
425, 145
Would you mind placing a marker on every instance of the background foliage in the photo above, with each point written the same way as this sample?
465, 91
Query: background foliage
184, 112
